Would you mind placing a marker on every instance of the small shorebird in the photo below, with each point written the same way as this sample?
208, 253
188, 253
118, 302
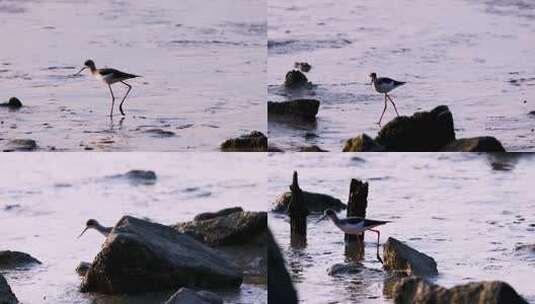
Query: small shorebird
109, 76
97, 226
385, 85
355, 225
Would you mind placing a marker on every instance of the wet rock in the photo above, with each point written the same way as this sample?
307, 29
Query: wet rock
82, 268
400, 257
6, 294
140, 256
230, 229
210, 215
16, 259
146, 175
253, 142
189, 296
352, 268
159, 132
301, 109
280, 287
312, 149
304, 67
315, 202
362, 143
526, 247
474, 144
20, 145
13, 103
423, 131
416, 290
295, 79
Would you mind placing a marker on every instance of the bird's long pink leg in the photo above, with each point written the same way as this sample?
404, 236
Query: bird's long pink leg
393, 104
124, 98
384, 110
378, 238
112, 101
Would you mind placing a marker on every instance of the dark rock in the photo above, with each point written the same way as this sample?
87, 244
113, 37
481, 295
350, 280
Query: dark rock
253, 142
362, 143
312, 149
210, 215
474, 144
272, 148
189, 296
15, 259
13, 103
140, 256
230, 229
82, 268
400, 257
20, 145
423, 131
352, 268
6, 294
146, 175
416, 290
301, 109
280, 287
314, 202
526, 247
295, 79
159, 132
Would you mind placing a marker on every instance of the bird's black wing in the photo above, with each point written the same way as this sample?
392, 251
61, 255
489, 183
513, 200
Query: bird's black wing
368, 223
117, 73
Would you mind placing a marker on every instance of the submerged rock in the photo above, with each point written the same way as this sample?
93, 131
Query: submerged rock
229, 229
16, 259
314, 202
474, 144
6, 294
20, 144
159, 132
280, 287
414, 290
82, 268
13, 103
352, 268
302, 109
362, 143
222, 212
400, 257
143, 175
295, 79
423, 131
253, 142
140, 256
189, 296
312, 149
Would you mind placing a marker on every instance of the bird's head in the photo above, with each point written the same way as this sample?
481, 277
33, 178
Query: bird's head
91, 223
90, 64
373, 76
328, 213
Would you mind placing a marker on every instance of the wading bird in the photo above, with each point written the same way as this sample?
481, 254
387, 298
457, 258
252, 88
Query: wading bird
93, 224
385, 85
355, 225
109, 77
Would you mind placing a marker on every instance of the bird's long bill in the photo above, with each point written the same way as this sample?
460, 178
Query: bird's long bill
83, 232
80, 71
321, 218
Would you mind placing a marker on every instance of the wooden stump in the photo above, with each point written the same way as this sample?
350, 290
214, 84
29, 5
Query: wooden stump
298, 215
356, 206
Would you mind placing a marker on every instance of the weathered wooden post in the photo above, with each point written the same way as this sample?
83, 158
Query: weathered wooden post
298, 213
356, 206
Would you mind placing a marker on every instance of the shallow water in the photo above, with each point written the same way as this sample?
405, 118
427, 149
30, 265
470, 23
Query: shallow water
49, 208
468, 211
472, 55
203, 68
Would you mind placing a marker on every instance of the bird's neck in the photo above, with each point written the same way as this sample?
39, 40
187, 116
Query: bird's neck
103, 230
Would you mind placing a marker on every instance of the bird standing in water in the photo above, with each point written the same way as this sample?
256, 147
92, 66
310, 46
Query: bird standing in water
385, 85
355, 225
109, 76
93, 224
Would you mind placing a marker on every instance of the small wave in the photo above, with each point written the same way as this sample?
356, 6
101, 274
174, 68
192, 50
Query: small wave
197, 43
289, 46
